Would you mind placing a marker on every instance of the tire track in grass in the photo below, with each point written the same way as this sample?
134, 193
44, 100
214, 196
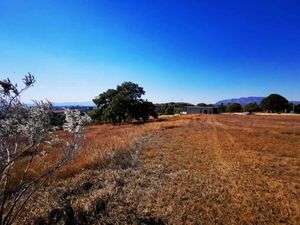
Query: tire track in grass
257, 197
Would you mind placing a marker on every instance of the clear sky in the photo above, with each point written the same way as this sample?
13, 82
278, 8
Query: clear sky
195, 51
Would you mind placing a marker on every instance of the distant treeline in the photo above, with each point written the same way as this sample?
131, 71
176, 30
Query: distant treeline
125, 103
274, 103
171, 108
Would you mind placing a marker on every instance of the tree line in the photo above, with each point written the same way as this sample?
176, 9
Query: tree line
125, 103
274, 103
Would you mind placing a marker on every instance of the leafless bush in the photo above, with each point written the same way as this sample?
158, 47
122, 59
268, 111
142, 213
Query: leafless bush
23, 132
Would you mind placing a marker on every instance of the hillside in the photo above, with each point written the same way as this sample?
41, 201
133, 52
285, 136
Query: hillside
242, 100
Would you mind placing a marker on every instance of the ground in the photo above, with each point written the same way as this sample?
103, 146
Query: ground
199, 169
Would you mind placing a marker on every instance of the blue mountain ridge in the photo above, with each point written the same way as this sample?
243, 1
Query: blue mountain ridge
246, 100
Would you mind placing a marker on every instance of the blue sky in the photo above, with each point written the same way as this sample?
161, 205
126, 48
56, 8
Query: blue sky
195, 51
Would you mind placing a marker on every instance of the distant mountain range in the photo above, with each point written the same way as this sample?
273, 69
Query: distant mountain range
68, 104
246, 100
90, 103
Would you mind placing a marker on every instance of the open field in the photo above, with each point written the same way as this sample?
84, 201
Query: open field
199, 169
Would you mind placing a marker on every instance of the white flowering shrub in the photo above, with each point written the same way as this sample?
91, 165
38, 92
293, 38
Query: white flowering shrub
75, 121
74, 124
23, 130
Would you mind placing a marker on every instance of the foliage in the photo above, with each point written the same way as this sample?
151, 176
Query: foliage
96, 115
144, 109
274, 103
297, 108
222, 108
57, 119
24, 132
293, 108
123, 103
234, 107
202, 105
251, 107
171, 108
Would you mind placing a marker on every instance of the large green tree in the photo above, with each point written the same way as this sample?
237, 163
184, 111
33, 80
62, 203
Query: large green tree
122, 104
274, 103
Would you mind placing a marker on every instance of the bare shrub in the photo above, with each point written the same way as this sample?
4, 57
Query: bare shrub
24, 133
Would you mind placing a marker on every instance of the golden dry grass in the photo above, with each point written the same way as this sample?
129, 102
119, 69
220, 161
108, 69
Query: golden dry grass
199, 169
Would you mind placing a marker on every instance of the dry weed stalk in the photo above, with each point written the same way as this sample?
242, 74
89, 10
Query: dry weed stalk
24, 132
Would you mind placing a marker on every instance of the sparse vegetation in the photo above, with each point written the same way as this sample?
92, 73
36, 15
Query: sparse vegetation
25, 133
193, 169
210, 169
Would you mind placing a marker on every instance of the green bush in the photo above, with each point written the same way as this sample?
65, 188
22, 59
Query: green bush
252, 107
234, 107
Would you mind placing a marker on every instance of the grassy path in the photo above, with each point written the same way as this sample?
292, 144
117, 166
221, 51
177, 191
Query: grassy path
226, 174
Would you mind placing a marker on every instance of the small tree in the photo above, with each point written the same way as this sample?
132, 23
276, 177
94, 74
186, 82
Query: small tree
170, 110
23, 132
274, 103
222, 108
252, 107
234, 107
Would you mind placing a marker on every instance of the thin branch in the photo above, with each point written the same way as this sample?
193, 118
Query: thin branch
46, 176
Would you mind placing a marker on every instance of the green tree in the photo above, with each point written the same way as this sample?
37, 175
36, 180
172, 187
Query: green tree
234, 107
144, 109
123, 103
170, 110
251, 107
297, 108
222, 108
274, 103
202, 104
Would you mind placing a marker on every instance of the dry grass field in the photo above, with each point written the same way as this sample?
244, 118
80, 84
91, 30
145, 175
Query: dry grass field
199, 169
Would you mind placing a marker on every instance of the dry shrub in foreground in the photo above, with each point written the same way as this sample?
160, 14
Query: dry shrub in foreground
24, 134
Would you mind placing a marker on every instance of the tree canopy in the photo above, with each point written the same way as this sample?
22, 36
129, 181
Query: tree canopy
122, 104
234, 107
274, 103
251, 107
221, 108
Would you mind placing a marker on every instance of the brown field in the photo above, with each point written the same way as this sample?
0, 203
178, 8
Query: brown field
200, 169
